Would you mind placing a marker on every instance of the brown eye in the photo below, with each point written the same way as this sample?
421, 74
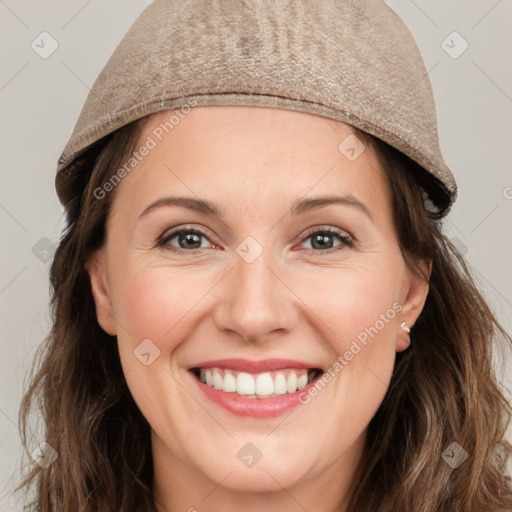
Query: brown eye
323, 240
188, 240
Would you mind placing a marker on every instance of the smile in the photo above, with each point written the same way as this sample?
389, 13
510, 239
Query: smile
261, 385
258, 389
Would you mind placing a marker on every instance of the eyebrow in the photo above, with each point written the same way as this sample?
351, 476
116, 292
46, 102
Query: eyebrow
300, 206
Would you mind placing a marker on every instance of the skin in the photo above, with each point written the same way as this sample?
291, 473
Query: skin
254, 163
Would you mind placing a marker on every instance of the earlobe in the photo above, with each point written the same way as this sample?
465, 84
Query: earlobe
416, 295
95, 267
404, 339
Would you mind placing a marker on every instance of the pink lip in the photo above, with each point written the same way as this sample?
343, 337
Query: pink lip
254, 407
245, 365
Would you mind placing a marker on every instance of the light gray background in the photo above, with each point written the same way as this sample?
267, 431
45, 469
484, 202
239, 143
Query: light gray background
40, 100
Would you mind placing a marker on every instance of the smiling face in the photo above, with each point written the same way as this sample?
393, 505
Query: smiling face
235, 270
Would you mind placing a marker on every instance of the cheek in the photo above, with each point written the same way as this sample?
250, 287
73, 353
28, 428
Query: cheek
357, 313
354, 301
151, 305
160, 304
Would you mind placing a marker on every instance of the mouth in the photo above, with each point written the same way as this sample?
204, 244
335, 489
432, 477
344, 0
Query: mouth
268, 384
260, 389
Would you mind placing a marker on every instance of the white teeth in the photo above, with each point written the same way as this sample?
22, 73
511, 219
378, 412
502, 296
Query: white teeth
229, 383
245, 384
256, 385
218, 381
291, 383
302, 381
264, 384
280, 387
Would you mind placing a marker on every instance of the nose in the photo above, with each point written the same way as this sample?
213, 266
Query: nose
256, 302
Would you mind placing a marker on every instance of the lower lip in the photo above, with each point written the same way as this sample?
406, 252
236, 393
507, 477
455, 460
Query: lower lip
254, 407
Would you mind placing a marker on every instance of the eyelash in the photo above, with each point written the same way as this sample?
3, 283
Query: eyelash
343, 237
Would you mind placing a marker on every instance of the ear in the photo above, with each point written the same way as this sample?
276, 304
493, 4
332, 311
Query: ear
416, 288
96, 269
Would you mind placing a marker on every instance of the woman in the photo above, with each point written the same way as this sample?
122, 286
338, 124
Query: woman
320, 345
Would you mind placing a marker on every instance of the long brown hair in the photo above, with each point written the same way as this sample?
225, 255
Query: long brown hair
443, 388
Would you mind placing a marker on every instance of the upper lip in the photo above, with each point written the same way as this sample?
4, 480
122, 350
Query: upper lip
246, 365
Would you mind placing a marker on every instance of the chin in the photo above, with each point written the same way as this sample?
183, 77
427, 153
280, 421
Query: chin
263, 477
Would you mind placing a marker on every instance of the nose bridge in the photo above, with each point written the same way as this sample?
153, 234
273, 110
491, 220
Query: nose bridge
255, 281
255, 302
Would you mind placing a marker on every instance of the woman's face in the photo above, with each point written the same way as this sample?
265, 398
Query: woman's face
241, 293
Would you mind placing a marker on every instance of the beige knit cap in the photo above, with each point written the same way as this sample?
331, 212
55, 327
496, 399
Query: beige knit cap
349, 60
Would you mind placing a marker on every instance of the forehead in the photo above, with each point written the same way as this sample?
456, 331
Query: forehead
250, 154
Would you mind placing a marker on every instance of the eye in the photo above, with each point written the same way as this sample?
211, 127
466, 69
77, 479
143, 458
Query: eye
188, 240
321, 239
